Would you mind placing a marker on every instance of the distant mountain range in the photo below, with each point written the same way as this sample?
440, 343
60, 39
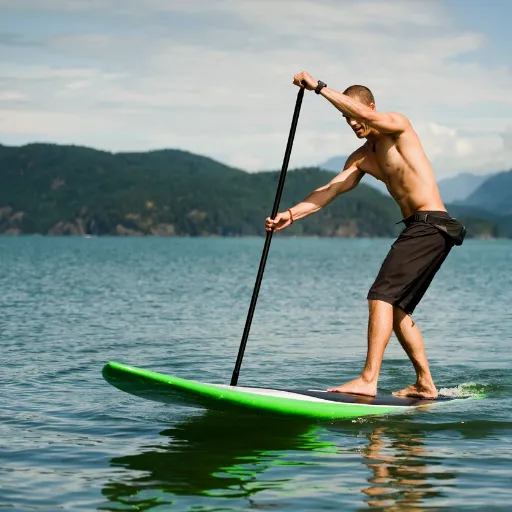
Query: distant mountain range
71, 190
460, 187
494, 194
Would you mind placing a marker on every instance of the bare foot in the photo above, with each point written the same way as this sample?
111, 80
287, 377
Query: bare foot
417, 391
357, 386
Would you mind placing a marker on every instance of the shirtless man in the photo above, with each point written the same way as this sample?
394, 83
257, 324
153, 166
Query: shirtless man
393, 154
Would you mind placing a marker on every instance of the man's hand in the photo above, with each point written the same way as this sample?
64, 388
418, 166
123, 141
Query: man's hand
305, 80
282, 220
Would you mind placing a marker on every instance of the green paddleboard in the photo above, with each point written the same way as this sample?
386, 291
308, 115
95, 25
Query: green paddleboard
289, 402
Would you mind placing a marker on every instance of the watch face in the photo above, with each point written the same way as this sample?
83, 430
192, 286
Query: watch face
320, 86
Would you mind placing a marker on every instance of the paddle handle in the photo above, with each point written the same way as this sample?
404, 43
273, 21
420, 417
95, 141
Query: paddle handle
268, 239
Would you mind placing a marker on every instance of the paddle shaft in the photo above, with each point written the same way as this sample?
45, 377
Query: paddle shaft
268, 239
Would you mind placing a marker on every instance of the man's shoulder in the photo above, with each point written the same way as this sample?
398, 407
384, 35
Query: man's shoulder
358, 154
398, 115
401, 119
403, 126
361, 151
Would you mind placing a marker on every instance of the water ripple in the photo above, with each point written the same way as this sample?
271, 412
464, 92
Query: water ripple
69, 441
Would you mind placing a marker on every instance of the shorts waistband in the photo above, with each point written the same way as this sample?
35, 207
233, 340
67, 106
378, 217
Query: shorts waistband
423, 215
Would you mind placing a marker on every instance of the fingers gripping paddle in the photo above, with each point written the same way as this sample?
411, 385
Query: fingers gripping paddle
259, 277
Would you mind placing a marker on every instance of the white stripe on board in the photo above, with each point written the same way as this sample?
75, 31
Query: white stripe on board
288, 394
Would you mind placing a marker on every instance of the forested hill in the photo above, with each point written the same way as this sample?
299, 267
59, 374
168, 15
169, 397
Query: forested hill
53, 189
494, 195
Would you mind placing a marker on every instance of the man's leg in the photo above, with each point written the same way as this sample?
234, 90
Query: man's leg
380, 326
409, 336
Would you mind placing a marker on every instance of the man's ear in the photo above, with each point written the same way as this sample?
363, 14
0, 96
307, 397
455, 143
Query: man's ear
372, 106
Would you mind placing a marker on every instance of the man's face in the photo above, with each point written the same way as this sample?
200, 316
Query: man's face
360, 129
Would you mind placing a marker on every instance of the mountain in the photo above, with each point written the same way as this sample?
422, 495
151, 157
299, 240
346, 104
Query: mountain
53, 189
481, 223
72, 190
461, 186
494, 195
504, 226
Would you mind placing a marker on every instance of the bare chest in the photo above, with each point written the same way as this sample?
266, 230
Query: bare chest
383, 160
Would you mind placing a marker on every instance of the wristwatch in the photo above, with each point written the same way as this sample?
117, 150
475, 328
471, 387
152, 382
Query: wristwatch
320, 86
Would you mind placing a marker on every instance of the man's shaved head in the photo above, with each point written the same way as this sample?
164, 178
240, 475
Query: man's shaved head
361, 93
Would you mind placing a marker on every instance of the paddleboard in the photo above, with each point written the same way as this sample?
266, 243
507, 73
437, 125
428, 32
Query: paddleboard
308, 403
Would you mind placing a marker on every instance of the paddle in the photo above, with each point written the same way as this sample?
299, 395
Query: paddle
268, 239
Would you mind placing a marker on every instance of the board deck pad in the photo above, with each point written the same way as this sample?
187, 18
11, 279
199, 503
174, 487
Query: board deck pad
290, 402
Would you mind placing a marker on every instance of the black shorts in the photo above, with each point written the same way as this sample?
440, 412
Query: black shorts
412, 263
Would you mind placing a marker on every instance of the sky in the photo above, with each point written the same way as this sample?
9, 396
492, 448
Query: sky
214, 77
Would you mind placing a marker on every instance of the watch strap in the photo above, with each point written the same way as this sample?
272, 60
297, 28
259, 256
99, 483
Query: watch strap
320, 86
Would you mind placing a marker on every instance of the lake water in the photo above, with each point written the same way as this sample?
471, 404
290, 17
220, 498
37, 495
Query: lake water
69, 441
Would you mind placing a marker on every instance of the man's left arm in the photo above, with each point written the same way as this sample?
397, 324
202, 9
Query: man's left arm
384, 122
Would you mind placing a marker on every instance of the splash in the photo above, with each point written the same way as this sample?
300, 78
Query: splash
467, 389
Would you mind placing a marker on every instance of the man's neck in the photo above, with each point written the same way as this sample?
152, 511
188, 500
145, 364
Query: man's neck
372, 139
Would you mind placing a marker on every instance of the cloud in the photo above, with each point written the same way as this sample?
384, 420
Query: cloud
11, 96
507, 139
215, 77
449, 149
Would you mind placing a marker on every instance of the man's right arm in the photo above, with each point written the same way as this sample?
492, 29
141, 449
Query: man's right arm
321, 197
345, 181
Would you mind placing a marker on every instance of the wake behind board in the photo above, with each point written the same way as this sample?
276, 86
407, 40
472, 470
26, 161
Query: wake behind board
306, 403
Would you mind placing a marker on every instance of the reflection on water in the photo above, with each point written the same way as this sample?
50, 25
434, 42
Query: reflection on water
234, 458
214, 454
400, 471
